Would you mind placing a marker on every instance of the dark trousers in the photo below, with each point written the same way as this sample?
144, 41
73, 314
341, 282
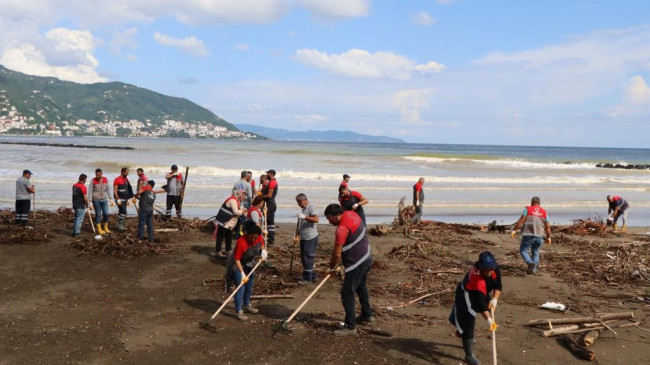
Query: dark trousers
121, 209
418, 212
307, 256
222, 234
355, 283
145, 218
175, 202
22, 211
270, 221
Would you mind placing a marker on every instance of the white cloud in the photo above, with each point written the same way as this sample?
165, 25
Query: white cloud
360, 63
638, 91
242, 47
123, 39
423, 18
63, 53
411, 102
311, 118
329, 10
190, 45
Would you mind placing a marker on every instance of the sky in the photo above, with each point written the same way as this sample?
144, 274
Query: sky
553, 72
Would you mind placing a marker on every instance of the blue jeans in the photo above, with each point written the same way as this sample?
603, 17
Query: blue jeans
101, 211
78, 219
244, 293
533, 244
145, 218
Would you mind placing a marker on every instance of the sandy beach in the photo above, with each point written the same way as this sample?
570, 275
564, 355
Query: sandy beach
64, 302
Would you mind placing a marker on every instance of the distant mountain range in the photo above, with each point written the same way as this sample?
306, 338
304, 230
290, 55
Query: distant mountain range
312, 135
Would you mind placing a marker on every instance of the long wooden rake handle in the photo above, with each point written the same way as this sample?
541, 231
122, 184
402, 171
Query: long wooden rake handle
308, 298
223, 305
90, 217
494, 341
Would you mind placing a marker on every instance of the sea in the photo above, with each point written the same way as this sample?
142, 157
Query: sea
464, 183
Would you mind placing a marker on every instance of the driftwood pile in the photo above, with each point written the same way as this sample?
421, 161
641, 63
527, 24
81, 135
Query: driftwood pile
593, 265
119, 246
35, 232
584, 227
588, 328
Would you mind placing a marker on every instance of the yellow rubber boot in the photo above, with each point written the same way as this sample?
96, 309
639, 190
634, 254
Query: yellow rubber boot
624, 228
614, 227
99, 229
106, 227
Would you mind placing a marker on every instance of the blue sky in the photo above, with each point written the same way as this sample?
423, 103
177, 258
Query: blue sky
442, 71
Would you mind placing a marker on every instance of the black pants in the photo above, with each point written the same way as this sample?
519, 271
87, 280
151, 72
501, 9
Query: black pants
121, 209
222, 234
460, 315
22, 211
270, 220
307, 256
418, 212
355, 283
173, 201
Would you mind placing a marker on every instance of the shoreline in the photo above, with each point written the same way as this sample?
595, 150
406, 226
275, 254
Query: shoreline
68, 145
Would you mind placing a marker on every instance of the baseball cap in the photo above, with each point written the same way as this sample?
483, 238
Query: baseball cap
486, 260
174, 167
27, 172
271, 171
152, 183
346, 176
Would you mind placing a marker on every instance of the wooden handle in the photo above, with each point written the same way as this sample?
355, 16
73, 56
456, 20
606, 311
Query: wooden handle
90, 217
223, 305
309, 297
494, 340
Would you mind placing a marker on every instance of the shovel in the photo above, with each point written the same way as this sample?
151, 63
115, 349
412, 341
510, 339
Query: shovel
284, 325
207, 325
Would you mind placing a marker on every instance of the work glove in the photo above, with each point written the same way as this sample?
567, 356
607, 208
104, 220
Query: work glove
301, 216
548, 241
134, 200
355, 206
112, 204
91, 207
265, 232
265, 255
296, 239
417, 203
119, 202
244, 278
492, 324
493, 303
513, 234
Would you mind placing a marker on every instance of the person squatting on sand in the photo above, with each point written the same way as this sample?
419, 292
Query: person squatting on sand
534, 224
174, 187
351, 246
308, 237
122, 192
24, 191
473, 297
79, 204
618, 208
147, 197
100, 201
353, 200
240, 263
418, 199
269, 192
226, 221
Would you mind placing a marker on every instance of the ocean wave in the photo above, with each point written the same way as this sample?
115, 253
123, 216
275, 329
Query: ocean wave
500, 162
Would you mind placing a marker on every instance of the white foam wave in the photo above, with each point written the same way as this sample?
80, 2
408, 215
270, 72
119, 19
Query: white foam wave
508, 163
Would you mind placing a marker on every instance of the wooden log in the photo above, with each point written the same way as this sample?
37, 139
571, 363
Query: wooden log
603, 318
582, 328
588, 338
273, 296
577, 350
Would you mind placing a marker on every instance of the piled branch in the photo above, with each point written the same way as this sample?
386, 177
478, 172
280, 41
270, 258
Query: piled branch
583, 227
119, 246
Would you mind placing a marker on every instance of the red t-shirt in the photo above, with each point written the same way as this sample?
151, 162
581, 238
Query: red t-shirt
417, 186
272, 184
355, 194
350, 222
120, 180
253, 184
81, 187
243, 245
344, 183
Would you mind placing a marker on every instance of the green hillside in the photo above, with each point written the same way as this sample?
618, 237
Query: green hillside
50, 100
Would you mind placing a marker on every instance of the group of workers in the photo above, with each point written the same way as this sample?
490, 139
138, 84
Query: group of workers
248, 215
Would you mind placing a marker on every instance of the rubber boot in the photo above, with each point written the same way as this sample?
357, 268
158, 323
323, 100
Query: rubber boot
120, 225
614, 226
106, 227
469, 355
99, 229
624, 228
